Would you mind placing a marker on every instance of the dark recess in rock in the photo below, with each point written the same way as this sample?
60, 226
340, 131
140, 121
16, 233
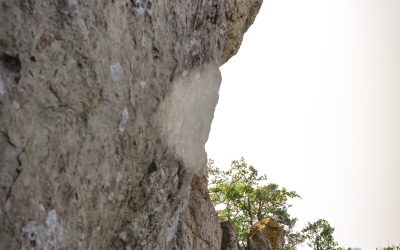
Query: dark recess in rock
12, 68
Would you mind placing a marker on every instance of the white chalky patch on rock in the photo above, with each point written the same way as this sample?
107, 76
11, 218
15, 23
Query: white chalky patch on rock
187, 112
110, 196
122, 236
193, 46
47, 236
140, 10
143, 84
139, 7
41, 208
15, 105
124, 120
117, 72
119, 177
193, 42
144, 40
51, 219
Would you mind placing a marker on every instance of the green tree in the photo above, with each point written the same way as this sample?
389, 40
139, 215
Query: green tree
240, 196
319, 236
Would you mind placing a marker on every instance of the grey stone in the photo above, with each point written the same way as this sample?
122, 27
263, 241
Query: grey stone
105, 107
229, 236
199, 226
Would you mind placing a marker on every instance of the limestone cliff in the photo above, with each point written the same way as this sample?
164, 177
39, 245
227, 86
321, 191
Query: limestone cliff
105, 107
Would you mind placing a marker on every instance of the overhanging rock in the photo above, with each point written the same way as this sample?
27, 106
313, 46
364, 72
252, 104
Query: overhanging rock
105, 107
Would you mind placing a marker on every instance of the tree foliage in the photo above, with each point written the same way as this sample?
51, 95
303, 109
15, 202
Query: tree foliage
319, 236
241, 195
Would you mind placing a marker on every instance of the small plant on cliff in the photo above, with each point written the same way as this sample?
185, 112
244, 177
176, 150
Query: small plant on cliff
242, 196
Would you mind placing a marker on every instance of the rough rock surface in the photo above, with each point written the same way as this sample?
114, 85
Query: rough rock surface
229, 236
105, 107
199, 227
241, 15
266, 234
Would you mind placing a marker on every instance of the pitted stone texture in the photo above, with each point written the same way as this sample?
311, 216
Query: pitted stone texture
89, 93
229, 236
240, 16
199, 227
266, 234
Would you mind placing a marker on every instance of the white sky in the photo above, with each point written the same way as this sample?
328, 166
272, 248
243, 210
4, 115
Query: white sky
312, 99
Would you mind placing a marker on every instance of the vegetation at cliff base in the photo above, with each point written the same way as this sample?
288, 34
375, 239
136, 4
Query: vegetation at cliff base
245, 200
243, 196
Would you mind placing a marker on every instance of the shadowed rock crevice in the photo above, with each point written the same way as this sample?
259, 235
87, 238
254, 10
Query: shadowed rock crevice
11, 68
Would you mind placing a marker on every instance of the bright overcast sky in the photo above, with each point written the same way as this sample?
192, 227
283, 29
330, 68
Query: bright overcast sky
312, 99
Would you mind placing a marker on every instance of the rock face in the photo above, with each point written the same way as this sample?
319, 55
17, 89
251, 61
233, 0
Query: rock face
241, 15
199, 227
229, 236
105, 107
266, 234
